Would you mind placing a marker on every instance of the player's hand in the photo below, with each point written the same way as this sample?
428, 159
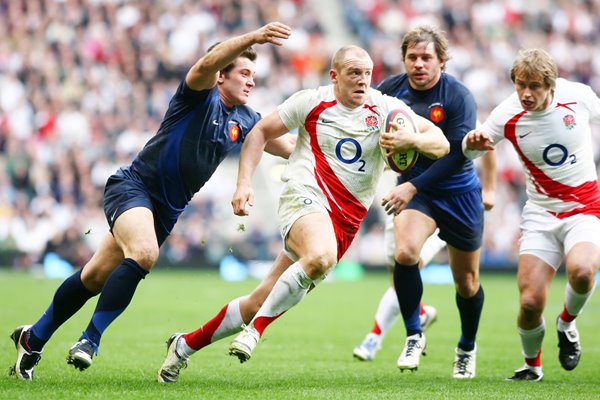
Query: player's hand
397, 199
399, 138
489, 199
243, 195
271, 33
479, 140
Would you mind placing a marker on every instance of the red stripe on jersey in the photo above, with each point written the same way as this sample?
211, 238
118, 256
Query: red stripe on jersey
590, 209
346, 211
586, 193
202, 337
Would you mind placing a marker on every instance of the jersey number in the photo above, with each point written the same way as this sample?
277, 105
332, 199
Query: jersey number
357, 154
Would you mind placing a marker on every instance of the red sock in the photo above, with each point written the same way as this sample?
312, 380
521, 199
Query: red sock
202, 336
535, 362
261, 323
565, 316
376, 329
422, 310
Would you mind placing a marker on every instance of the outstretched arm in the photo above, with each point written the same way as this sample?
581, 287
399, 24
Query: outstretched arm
269, 128
203, 74
488, 179
476, 143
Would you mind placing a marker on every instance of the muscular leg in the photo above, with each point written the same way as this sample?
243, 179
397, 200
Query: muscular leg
230, 318
313, 240
534, 278
582, 262
75, 291
134, 234
411, 230
469, 293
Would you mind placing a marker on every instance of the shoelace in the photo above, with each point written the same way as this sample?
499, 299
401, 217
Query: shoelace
181, 364
462, 362
411, 346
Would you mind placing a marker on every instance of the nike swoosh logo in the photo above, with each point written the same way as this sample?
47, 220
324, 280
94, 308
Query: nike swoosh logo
112, 217
215, 122
523, 135
326, 121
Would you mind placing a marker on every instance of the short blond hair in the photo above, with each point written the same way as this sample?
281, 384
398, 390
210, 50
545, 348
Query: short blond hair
341, 54
535, 63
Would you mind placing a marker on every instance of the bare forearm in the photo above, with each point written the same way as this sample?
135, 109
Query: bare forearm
282, 146
488, 171
224, 53
432, 144
250, 156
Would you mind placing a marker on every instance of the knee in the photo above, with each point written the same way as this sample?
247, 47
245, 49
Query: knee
532, 305
93, 280
318, 264
145, 256
407, 254
467, 285
581, 276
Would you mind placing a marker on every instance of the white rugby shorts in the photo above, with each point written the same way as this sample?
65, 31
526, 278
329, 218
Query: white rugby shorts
549, 238
295, 202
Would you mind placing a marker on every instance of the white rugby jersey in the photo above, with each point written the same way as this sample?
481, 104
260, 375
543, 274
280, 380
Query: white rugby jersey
337, 154
554, 146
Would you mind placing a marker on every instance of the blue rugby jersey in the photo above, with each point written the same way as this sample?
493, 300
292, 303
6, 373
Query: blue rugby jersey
450, 106
196, 134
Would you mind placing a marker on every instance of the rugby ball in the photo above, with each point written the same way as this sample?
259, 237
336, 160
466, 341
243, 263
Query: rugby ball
403, 161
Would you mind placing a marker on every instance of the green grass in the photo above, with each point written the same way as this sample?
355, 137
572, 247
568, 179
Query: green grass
306, 354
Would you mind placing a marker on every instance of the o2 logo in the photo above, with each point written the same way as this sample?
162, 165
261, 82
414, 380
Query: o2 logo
357, 153
557, 154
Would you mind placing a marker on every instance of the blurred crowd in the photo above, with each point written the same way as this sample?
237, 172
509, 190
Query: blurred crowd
85, 83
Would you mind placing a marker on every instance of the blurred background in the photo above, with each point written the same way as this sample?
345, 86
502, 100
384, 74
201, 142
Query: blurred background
84, 84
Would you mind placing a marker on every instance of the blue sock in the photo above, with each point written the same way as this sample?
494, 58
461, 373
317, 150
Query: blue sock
409, 289
70, 296
114, 299
470, 312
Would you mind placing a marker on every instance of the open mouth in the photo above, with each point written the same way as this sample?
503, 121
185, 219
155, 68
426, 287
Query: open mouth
526, 103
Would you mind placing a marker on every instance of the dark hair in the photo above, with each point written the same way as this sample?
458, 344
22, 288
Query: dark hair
428, 34
248, 53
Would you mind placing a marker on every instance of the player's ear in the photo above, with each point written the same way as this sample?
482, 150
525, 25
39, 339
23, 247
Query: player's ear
333, 75
220, 77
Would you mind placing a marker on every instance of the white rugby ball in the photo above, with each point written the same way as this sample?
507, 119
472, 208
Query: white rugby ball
403, 161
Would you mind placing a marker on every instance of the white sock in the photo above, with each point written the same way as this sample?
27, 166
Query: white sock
531, 340
232, 322
388, 311
574, 302
289, 290
432, 246
183, 349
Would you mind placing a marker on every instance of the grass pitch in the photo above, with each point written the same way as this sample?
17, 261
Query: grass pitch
306, 354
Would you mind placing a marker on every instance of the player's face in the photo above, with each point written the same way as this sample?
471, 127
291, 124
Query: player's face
422, 65
352, 81
235, 85
533, 93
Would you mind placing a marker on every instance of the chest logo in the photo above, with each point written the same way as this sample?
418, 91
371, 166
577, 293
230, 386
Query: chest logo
234, 131
436, 114
371, 120
569, 121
